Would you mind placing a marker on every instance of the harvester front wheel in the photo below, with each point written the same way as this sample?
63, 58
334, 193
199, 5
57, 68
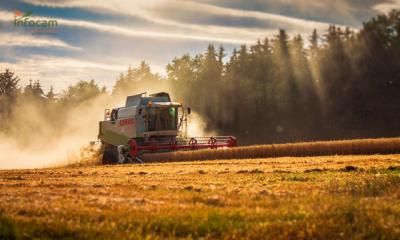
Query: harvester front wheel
110, 154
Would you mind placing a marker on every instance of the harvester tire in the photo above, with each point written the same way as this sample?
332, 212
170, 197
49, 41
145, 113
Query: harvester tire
110, 154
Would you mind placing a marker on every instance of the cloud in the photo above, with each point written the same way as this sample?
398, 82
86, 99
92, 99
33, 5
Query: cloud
150, 11
275, 18
211, 34
23, 40
340, 12
113, 29
62, 71
387, 6
185, 14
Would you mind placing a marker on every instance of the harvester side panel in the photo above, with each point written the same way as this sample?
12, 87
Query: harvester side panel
117, 132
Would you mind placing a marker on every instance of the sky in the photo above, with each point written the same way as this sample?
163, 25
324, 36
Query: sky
99, 39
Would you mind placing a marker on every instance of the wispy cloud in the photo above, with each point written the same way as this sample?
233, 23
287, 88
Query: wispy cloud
149, 11
24, 40
275, 18
339, 12
113, 29
211, 34
387, 6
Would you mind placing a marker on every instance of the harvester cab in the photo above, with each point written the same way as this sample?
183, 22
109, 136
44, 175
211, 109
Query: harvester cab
149, 124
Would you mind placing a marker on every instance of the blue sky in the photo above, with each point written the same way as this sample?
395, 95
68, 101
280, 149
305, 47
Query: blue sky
98, 39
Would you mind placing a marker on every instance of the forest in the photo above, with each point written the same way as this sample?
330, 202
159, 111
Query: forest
339, 84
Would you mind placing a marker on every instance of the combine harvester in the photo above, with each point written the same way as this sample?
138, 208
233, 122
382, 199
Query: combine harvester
150, 124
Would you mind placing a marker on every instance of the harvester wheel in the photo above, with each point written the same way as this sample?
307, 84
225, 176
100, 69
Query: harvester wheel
110, 154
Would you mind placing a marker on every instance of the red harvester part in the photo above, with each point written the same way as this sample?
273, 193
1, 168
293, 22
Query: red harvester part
184, 144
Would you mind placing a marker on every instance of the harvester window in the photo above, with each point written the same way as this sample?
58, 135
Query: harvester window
162, 119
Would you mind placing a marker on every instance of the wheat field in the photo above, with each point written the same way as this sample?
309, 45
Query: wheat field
326, 197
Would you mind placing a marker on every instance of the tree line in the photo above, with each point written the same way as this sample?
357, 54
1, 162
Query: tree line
333, 85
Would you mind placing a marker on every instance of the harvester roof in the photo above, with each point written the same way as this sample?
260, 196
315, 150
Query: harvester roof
142, 99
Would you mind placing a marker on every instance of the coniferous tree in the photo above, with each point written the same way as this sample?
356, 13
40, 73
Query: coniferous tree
8, 84
8, 91
50, 94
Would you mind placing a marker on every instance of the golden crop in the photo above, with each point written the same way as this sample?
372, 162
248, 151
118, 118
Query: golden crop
330, 197
321, 148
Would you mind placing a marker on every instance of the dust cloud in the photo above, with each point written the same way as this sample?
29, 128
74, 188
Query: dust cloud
39, 139
197, 126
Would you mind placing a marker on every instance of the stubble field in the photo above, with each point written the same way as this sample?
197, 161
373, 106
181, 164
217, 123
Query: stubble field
330, 197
